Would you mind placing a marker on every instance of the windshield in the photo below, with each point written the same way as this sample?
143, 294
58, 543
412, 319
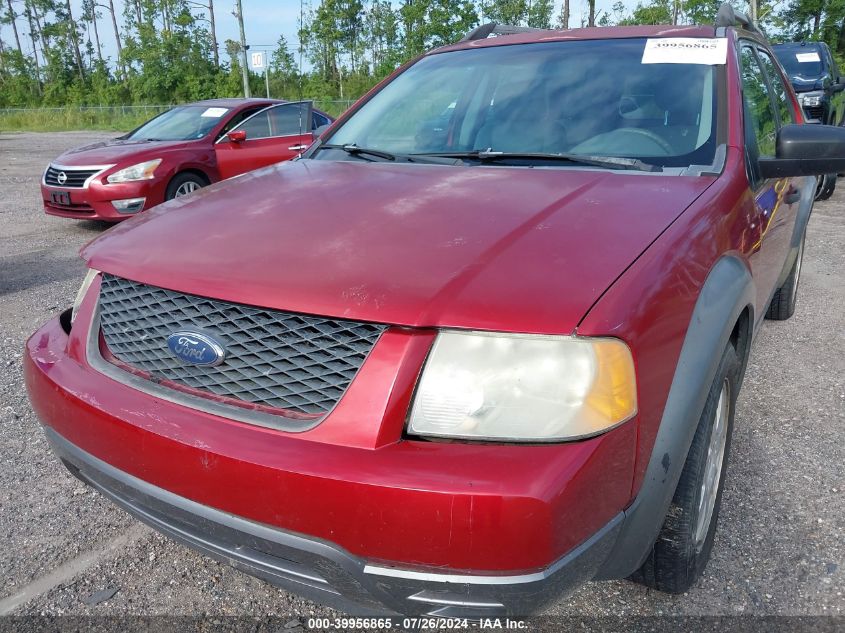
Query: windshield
591, 98
804, 62
184, 123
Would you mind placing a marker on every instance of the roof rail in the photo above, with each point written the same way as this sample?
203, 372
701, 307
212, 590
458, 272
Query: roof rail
727, 16
492, 28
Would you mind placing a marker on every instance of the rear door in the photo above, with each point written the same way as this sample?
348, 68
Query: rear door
275, 134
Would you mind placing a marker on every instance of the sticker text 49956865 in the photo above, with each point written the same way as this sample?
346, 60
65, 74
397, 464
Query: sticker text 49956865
686, 50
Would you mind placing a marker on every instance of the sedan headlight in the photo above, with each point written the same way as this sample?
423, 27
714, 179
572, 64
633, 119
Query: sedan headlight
812, 99
523, 388
83, 290
141, 171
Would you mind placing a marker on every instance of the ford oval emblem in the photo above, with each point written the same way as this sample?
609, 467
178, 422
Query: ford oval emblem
196, 349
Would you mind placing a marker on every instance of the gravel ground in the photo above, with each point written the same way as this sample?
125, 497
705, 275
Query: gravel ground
779, 547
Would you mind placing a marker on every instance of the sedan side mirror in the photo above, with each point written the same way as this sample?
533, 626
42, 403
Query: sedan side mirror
839, 86
237, 136
806, 150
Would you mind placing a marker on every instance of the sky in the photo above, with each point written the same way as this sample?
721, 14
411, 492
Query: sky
264, 22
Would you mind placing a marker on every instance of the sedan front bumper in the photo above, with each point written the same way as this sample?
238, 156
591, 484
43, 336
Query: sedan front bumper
94, 202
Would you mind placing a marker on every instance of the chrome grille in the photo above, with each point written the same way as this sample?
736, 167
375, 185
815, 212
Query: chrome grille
73, 178
285, 361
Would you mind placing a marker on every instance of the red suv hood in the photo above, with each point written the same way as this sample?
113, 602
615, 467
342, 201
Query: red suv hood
498, 248
116, 151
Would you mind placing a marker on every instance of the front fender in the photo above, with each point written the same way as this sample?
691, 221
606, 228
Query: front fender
727, 291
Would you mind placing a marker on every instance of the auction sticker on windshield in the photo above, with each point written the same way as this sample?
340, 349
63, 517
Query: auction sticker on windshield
807, 57
685, 50
215, 113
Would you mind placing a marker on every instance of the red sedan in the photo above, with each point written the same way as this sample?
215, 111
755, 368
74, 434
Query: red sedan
176, 153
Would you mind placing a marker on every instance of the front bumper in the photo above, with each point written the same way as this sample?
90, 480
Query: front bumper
413, 527
324, 572
94, 202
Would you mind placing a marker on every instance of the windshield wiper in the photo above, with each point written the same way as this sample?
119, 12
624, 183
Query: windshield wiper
354, 150
611, 162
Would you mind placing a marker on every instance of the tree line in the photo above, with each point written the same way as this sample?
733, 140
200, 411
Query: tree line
167, 51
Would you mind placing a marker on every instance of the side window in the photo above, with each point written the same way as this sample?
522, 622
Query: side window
286, 120
240, 116
318, 120
280, 120
258, 126
759, 115
782, 100
836, 76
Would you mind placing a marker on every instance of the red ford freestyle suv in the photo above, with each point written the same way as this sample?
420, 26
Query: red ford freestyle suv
480, 344
174, 154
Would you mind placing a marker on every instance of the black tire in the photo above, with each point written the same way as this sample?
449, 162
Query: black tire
683, 546
826, 187
786, 297
180, 182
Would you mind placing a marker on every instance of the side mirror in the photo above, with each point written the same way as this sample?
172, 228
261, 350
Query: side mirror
806, 150
319, 131
237, 136
838, 86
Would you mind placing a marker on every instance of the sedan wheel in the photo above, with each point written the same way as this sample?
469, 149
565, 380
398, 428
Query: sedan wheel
184, 184
186, 187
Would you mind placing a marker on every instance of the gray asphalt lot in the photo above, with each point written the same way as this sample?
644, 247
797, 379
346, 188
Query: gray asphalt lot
779, 547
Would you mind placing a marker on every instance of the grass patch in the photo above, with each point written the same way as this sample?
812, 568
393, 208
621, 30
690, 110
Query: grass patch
106, 118
117, 119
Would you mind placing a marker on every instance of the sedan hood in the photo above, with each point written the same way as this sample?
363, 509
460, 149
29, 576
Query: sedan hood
496, 248
114, 151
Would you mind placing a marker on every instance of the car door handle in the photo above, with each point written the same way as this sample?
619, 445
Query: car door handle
792, 196
297, 148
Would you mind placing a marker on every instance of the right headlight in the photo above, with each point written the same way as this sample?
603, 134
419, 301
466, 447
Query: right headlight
83, 290
523, 388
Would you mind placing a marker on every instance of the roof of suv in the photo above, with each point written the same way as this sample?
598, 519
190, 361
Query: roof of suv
590, 33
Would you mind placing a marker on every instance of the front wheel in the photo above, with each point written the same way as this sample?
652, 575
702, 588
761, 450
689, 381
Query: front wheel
786, 297
826, 186
683, 545
183, 185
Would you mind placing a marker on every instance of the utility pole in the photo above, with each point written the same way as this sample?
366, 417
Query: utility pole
213, 33
239, 13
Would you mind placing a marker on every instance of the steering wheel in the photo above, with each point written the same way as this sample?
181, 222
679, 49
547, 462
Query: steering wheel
654, 138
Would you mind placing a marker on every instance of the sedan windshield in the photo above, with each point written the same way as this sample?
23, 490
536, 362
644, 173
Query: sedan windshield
591, 98
184, 123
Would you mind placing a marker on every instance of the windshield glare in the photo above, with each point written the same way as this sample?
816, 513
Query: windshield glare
578, 97
184, 123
